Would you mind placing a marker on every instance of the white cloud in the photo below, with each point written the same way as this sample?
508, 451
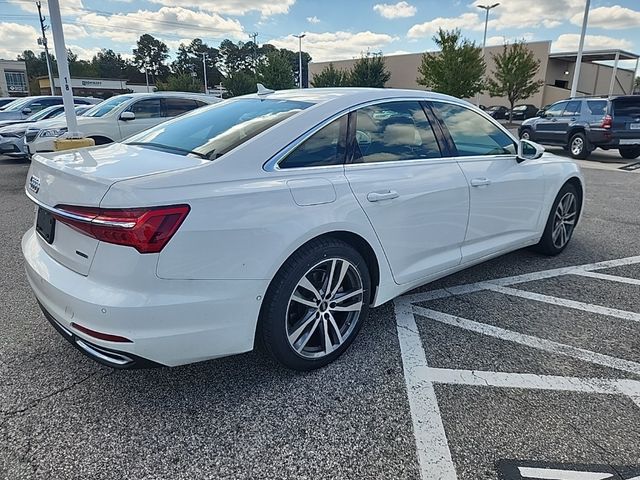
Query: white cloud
466, 21
67, 7
502, 39
614, 17
82, 52
73, 32
336, 45
526, 13
126, 28
313, 19
234, 7
570, 41
15, 38
398, 10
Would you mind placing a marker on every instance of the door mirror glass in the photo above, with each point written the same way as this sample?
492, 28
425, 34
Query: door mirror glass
127, 116
26, 111
528, 150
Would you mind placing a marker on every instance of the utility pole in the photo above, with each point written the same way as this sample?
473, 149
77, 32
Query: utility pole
300, 37
254, 37
576, 71
486, 8
46, 47
204, 67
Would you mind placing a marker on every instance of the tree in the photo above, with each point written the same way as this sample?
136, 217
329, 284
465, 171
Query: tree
516, 68
293, 58
189, 60
109, 64
330, 76
182, 82
151, 54
80, 68
369, 71
275, 72
239, 56
457, 70
239, 83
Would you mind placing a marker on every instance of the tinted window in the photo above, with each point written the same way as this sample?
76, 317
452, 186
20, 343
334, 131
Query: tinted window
149, 108
106, 106
555, 110
390, 132
572, 108
627, 107
473, 134
178, 106
597, 107
215, 130
321, 148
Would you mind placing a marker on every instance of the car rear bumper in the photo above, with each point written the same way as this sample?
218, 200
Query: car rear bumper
167, 322
613, 139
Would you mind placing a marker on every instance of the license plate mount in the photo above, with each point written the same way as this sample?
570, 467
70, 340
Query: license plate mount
634, 126
45, 225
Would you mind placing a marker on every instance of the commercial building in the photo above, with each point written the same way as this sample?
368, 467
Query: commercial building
556, 71
13, 79
87, 87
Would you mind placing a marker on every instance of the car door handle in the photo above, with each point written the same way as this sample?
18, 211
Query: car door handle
379, 196
480, 182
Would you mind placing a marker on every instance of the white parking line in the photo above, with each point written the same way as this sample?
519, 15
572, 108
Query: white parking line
563, 302
432, 446
611, 278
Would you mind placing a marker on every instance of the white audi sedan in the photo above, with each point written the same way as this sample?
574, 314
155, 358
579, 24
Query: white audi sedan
279, 219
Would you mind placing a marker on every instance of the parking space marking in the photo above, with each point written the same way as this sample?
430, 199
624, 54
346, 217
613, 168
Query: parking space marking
611, 278
434, 456
530, 341
563, 302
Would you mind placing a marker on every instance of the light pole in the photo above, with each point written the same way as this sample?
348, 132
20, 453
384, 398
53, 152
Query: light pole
204, 67
576, 71
300, 37
486, 8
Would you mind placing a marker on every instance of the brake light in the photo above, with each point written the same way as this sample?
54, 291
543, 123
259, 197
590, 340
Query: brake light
147, 230
607, 121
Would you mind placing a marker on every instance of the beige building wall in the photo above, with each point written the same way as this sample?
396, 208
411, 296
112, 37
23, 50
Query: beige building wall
7, 69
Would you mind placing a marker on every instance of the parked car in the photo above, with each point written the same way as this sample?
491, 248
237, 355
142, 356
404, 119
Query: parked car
583, 124
523, 112
22, 108
5, 101
12, 141
119, 117
498, 112
264, 218
44, 114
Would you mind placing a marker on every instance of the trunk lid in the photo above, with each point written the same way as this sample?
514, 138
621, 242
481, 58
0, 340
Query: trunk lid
82, 178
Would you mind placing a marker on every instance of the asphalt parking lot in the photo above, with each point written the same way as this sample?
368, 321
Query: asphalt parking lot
521, 367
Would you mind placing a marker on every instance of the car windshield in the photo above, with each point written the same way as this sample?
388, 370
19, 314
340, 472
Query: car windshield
213, 131
17, 104
108, 105
44, 113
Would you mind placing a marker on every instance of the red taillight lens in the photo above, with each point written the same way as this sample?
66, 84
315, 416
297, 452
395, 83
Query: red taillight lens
607, 121
147, 230
102, 336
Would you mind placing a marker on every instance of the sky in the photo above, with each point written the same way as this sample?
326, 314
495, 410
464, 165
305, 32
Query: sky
334, 29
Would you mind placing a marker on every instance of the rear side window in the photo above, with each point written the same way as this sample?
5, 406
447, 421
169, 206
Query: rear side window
390, 132
149, 108
573, 108
473, 134
597, 107
626, 107
322, 148
178, 106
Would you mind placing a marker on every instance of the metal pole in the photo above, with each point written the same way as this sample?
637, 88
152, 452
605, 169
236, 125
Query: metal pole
46, 47
300, 37
486, 8
576, 71
63, 69
614, 74
633, 80
204, 67
146, 77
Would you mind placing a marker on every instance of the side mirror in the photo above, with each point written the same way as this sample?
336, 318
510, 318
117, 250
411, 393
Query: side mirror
540, 113
26, 111
528, 150
126, 116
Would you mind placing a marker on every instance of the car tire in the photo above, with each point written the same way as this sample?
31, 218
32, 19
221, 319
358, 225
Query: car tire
578, 147
525, 134
316, 327
561, 222
629, 153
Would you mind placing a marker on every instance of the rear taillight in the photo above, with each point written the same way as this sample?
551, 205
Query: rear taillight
607, 121
146, 229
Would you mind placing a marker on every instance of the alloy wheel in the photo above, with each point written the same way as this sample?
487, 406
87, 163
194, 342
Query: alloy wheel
564, 220
324, 308
577, 145
525, 135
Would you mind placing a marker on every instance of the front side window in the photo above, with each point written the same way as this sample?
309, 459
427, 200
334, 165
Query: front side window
149, 108
555, 110
322, 148
394, 131
472, 134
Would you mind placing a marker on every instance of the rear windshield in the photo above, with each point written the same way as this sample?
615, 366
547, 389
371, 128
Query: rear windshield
213, 131
626, 107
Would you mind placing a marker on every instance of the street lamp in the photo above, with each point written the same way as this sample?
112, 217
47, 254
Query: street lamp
486, 8
300, 37
204, 67
576, 71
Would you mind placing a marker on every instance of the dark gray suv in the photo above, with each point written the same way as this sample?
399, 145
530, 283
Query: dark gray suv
583, 124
